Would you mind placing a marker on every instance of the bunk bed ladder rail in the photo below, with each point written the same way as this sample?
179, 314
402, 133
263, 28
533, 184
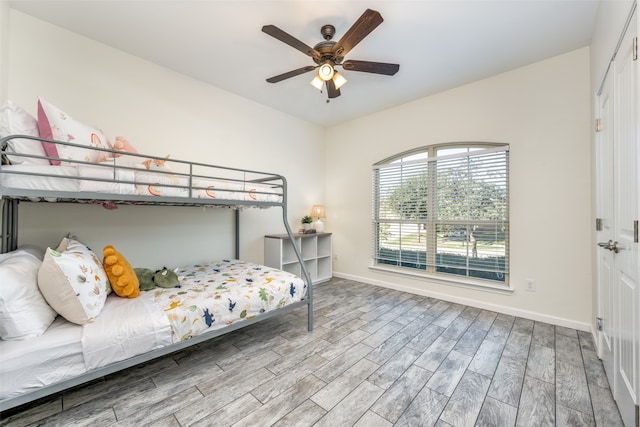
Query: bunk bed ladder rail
296, 249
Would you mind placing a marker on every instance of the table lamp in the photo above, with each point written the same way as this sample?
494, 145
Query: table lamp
317, 212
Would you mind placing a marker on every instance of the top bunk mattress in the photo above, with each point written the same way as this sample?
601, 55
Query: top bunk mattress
135, 178
107, 181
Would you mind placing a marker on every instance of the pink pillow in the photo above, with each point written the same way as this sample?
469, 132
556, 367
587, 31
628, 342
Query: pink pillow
45, 132
54, 123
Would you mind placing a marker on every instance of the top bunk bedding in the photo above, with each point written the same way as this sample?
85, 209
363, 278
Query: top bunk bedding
128, 178
58, 158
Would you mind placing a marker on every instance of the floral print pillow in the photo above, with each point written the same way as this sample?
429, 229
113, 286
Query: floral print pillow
54, 123
73, 281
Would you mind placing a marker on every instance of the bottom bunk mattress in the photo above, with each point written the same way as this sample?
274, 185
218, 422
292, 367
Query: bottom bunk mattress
51, 358
209, 296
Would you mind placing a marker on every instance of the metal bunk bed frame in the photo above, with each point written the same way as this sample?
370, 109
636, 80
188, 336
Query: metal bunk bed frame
10, 198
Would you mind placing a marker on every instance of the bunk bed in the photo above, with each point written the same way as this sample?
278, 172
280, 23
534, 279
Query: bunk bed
92, 350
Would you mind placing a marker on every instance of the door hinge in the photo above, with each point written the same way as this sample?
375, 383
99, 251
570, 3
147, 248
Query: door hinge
635, 48
635, 231
598, 224
598, 125
599, 323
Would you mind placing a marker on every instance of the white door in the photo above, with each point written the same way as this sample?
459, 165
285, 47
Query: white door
617, 159
604, 229
626, 284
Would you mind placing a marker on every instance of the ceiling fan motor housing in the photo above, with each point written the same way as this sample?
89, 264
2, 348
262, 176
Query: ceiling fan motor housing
325, 48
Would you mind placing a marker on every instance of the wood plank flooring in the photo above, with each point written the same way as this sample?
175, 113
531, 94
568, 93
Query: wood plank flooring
377, 357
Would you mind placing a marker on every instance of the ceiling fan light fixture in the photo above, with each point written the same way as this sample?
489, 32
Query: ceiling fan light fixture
339, 80
317, 82
326, 71
329, 54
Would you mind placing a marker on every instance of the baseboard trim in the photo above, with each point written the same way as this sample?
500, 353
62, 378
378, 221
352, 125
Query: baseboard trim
532, 315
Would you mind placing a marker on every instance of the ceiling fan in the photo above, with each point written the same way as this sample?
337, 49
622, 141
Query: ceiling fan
329, 54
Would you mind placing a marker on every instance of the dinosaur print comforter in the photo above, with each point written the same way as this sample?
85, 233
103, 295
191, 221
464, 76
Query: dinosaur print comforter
210, 296
220, 293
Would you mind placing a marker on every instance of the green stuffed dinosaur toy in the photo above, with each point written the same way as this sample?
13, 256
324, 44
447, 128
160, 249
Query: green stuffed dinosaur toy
163, 278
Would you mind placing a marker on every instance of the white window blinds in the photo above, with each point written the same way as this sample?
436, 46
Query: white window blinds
444, 214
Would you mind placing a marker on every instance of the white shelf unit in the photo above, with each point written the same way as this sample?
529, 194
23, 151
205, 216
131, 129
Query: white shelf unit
315, 249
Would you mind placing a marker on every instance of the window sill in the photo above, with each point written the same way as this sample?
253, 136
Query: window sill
464, 283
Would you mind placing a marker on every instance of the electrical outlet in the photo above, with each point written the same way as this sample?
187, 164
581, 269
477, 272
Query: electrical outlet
530, 285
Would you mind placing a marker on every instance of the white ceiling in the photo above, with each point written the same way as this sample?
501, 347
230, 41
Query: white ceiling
438, 44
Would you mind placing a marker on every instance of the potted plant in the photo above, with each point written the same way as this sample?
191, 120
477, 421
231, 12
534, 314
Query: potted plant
306, 222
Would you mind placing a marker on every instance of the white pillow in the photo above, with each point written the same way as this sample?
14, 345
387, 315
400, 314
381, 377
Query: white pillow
73, 281
23, 311
15, 121
54, 123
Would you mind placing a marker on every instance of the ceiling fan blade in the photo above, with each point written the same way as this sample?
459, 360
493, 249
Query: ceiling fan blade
277, 33
332, 91
292, 73
371, 67
368, 22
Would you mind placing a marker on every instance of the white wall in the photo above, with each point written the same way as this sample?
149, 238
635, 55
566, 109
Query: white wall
160, 112
4, 50
543, 112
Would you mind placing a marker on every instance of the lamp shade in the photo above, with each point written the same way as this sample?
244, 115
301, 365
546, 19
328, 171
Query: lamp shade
317, 211
338, 80
317, 82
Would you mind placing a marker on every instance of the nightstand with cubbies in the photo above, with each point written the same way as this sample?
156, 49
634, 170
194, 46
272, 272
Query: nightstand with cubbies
315, 249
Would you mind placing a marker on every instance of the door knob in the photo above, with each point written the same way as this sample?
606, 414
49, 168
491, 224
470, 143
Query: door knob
606, 245
611, 245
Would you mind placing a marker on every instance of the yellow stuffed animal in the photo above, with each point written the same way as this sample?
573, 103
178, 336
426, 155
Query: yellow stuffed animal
124, 281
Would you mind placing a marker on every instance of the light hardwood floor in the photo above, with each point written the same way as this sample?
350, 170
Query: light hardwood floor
376, 357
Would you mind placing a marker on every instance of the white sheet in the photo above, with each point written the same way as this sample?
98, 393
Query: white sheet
32, 182
234, 190
50, 358
107, 174
124, 328
147, 183
153, 184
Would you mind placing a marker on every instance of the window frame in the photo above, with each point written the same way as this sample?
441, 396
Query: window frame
431, 223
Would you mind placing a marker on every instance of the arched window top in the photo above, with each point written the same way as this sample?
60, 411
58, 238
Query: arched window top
438, 150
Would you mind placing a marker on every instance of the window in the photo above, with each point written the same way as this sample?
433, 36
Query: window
444, 211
